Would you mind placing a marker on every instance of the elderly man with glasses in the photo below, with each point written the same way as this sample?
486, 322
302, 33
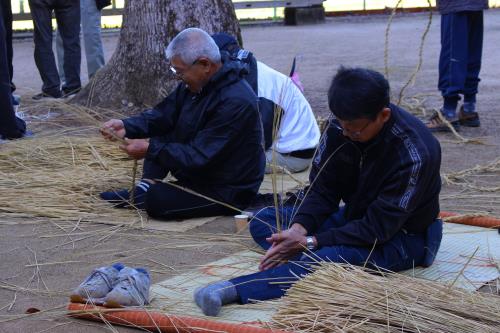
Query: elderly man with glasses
383, 164
207, 134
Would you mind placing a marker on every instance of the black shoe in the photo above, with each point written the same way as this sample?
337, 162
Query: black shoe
469, 119
44, 96
70, 93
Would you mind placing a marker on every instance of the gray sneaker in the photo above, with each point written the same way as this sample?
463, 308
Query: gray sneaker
132, 289
97, 285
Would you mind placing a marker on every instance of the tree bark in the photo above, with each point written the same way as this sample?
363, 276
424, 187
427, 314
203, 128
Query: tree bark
137, 73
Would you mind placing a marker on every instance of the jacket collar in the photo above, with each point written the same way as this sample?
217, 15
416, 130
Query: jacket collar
230, 72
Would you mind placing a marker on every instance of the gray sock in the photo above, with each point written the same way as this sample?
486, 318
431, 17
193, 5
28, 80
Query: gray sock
213, 296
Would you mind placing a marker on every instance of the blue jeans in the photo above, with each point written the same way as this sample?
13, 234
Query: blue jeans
403, 251
90, 18
460, 58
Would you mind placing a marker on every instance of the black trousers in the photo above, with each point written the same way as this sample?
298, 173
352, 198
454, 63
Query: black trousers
7, 21
67, 14
10, 126
167, 202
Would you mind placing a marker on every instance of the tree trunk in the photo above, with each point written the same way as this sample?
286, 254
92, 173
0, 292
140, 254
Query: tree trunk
137, 73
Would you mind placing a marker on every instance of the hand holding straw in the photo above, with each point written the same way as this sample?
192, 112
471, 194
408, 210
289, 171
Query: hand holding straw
113, 130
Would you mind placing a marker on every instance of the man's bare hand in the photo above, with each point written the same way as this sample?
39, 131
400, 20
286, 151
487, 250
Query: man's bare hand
135, 148
112, 129
286, 244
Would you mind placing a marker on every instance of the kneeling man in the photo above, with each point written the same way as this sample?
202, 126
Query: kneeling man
207, 134
383, 163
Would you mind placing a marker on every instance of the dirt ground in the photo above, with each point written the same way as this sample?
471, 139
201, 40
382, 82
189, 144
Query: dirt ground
350, 41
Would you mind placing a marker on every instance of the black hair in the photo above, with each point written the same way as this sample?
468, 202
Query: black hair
358, 93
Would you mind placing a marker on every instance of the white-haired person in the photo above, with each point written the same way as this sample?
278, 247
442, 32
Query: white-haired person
207, 134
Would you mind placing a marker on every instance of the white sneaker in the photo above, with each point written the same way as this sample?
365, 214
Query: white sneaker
97, 285
132, 289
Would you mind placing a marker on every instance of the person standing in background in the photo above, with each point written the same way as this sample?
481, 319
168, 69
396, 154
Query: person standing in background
90, 19
67, 14
11, 127
459, 62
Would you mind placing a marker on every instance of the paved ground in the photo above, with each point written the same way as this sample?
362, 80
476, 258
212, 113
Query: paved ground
322, 48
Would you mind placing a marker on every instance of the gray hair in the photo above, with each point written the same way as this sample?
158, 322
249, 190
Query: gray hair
191, 44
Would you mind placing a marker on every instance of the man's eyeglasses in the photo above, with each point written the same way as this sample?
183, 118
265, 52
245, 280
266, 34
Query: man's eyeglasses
352, 134
178, 73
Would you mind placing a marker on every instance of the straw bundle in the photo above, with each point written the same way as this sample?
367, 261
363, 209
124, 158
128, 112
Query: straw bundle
341, 298
61, 176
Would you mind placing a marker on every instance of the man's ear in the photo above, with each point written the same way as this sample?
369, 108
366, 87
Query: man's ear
385, 114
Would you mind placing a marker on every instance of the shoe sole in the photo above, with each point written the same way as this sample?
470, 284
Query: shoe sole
443, 129
470, 123
46, 99
77, 299
112, 304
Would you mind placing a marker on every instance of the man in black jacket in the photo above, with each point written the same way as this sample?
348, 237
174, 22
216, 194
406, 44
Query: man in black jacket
207, 134
383, 163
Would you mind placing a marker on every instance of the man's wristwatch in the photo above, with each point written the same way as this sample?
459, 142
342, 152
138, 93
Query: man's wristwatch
310, 243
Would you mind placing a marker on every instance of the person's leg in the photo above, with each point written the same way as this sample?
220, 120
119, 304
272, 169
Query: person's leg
404, 251
60, 56
167, 202
68, 20
290, 163
468, 115
91, 28
41, 13
475, 51
7, 117
7, 19
453, 60
9, 126
151, 173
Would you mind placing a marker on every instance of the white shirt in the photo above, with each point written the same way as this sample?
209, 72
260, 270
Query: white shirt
298, 129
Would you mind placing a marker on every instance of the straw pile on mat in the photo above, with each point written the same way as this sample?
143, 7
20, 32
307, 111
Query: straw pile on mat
61, 176
341, 298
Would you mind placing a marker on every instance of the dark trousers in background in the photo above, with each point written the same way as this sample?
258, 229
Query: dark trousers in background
168, 202
460, 58
403, 251
11, 127
7, 21
67, 14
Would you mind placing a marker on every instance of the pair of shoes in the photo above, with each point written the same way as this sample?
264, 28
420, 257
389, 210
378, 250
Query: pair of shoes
436, 124
121, 198
114, 286
469, 118
45, 96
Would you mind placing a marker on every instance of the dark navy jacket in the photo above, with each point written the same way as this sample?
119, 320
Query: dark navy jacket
212, 140
454, 6
388, 184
